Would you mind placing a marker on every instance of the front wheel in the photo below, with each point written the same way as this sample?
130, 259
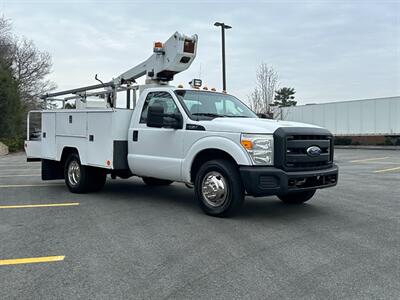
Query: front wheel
297, 197
218, 188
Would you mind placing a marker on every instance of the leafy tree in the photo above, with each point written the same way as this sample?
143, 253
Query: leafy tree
29, 65
23, 77
284, 97
11, 110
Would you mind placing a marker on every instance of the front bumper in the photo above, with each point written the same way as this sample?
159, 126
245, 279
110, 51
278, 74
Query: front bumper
267, 181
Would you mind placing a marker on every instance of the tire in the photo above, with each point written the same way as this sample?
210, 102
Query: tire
297, 197
155, 181
76, 176
218, 188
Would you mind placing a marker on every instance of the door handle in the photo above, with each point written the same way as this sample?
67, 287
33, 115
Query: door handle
135, 135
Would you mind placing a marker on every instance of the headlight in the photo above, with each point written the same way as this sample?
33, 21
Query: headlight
260, 148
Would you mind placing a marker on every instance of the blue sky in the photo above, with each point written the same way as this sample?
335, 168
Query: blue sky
326, 50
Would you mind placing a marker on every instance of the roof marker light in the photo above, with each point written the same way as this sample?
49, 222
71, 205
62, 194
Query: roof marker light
195, 83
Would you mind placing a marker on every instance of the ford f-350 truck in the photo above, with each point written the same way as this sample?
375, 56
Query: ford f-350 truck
206, 139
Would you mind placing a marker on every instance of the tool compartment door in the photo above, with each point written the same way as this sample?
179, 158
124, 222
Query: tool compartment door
100, 139
49, 135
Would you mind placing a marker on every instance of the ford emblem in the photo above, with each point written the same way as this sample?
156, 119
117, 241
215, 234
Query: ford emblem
314, 151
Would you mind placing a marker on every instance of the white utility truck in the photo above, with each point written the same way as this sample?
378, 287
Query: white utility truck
209, 140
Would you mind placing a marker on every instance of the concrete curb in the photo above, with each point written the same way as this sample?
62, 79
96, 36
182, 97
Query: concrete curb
370, 147
3, 149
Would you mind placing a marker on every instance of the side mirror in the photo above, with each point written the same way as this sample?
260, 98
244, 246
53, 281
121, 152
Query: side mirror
177, 121
155, 116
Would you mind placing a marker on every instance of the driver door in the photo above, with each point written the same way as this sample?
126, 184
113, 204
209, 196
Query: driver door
157, 152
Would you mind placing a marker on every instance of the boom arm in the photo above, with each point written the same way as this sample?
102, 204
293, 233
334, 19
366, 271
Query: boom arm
172, 57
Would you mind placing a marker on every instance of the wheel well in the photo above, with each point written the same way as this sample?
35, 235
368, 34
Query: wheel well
66, 152
206, 155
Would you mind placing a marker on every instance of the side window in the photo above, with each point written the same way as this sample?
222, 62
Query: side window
159, 98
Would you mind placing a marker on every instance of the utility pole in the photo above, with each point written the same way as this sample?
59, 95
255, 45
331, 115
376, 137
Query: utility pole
223, 27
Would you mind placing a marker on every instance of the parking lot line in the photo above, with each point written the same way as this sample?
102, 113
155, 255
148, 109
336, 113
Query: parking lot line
39, 205
19, 175
18, 166
28, 185
387, 170
30, 260
21, 169
368, 159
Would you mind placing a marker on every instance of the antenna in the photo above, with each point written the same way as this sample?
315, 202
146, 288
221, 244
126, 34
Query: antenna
95, 77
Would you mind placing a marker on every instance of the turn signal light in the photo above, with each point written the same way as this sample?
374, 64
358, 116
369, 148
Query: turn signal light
247, 144
158, 45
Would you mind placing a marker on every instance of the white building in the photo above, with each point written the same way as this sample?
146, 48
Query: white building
368, 117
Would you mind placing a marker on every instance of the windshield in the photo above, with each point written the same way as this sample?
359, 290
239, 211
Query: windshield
208, 105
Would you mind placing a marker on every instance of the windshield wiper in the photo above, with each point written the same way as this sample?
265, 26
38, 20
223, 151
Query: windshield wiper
207, 115
214, 115
232, 116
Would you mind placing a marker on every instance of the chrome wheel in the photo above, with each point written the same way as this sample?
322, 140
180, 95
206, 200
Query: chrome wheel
214, 189
74, 173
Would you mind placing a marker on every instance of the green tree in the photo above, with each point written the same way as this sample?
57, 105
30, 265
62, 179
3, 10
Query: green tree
285, 97
23, 77
11, 109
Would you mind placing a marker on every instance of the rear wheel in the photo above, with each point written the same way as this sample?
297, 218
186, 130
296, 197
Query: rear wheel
219, 189
297, 197
76, 175
155, 181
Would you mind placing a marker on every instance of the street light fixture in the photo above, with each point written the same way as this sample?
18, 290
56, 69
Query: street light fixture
223, 27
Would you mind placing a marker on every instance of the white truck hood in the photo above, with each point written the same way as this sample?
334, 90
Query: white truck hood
249, 125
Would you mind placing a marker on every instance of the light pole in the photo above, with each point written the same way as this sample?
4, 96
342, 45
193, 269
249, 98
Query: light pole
223, 27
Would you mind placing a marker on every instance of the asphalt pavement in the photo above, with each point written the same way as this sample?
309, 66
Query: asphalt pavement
131, 241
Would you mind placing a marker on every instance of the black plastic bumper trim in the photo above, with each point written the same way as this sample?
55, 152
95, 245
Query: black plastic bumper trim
268, 181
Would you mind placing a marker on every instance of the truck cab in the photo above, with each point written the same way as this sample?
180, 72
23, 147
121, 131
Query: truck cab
215, 142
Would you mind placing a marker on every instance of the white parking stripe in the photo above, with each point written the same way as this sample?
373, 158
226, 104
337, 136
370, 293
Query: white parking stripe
22, 169
28, 185
19, 175
368, 159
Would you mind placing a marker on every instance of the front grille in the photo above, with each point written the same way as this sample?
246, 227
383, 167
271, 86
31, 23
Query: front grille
296, 152
294, 142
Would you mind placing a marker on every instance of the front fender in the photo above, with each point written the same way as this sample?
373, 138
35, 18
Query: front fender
220, 143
